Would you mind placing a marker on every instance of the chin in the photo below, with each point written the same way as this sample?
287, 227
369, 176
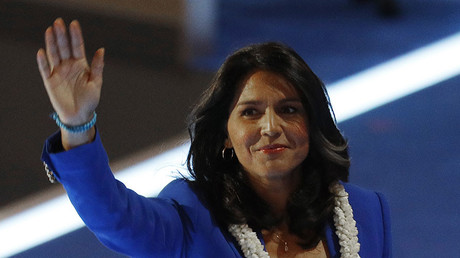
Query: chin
278, 173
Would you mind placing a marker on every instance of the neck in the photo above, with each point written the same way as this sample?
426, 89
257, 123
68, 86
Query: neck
276, 190
344, 223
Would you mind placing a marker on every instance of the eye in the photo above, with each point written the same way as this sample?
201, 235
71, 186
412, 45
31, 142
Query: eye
249, 112
289, 110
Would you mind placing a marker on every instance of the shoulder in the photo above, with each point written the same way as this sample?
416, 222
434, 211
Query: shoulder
363, 196
179, 189
366, 201
372, 215
183, 195
197, 220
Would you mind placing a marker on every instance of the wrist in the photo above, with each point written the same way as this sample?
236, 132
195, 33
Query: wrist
73, 136
72, 140
75, 129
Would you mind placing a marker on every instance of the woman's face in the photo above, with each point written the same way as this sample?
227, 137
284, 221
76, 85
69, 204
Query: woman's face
268, 127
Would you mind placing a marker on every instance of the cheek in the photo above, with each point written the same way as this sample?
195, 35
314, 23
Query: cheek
239, 133
244, 138
299, 133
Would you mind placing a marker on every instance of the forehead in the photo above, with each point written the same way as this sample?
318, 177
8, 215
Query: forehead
265, 84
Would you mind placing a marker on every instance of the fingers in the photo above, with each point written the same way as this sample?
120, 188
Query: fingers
62, 39
43, 66
97, 66
61, 47
51, 48
76, 38
58, 45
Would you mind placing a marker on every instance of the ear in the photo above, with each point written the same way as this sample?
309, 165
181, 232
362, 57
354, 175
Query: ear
228, 144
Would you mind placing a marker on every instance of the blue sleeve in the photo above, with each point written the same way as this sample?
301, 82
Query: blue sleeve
123, 220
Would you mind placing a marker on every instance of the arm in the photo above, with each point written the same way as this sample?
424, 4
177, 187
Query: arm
121, 219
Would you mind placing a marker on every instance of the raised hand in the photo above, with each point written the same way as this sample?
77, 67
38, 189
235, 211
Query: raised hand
74, 87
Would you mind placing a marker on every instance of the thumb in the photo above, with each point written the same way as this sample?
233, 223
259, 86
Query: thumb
97, 65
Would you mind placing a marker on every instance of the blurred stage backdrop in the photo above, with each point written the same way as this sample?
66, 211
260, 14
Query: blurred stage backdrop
162, 54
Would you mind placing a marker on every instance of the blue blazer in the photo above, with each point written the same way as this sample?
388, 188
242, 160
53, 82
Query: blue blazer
177, 223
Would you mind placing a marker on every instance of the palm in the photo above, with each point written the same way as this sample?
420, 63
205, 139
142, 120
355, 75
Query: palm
72, 86
71, 91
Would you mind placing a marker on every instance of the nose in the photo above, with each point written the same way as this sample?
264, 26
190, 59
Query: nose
270, 124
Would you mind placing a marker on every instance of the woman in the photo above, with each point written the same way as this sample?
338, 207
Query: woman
268, 164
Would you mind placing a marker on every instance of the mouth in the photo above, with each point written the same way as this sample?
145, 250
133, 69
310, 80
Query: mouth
273, 148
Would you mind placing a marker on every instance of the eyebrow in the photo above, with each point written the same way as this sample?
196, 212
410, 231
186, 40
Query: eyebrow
258, 102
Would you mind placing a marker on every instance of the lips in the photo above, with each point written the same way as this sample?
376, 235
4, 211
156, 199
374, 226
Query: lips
273, 148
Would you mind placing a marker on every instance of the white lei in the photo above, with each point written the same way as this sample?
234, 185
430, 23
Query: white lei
343, 221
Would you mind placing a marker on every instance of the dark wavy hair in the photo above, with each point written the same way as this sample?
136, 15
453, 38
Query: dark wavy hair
222, 182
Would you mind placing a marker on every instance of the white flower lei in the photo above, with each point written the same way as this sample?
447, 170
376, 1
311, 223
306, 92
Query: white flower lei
343, 221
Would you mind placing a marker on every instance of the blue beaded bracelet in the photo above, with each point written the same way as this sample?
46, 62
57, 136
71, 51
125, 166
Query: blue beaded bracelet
74, 129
